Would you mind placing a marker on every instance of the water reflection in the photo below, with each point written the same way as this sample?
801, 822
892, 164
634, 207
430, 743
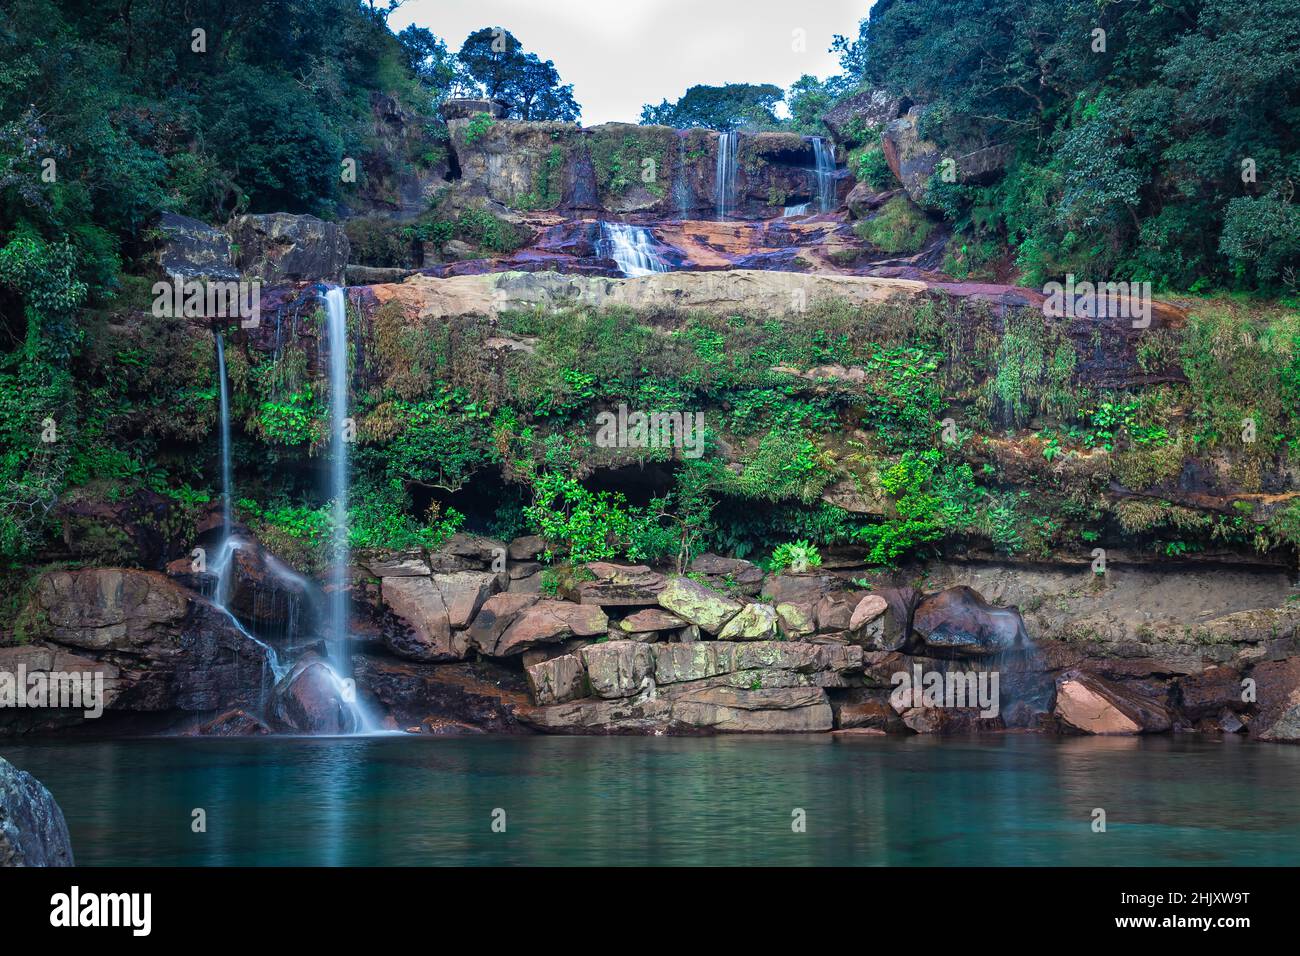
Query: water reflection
996, 800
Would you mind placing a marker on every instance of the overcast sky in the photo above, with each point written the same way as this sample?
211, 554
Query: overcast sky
622, 54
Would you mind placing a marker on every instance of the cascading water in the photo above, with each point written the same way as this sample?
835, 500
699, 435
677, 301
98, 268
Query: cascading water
824, 154
632, 247
225, 562
336, 317
799, 210
725, 189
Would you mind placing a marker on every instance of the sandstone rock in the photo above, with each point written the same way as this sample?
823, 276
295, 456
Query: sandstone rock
865, 707
1091, 705
483, 694
650, 619
309, 700
864, 199
233, 723
282, 247
557, 680
464, 592
620, 585
745, 576
544, 652
497, 613
697, 604
547, 622
402, 564
1277, 688
618, 668
797, 620
773, 711
420, 604
693, 661
33, 831
110, 608
805, 589
911, 158
755, 622
1210, 692
868, 624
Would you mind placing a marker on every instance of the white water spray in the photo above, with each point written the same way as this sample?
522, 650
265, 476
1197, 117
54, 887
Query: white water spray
824, 154
632, 247
725, 188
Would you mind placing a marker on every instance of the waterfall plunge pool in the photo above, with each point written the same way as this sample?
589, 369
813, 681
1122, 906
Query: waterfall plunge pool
1012, 799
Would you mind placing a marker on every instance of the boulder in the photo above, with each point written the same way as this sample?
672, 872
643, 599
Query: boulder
719, 572
102, 609
619, 585
697, 604
959, 620
464, 592
1210, 692
548, 622
309, 700
428, 636
526, 548
192, 249
911, 158
33, 831
283, 247
497, 613
233, 723
865, 707
1277, 689
797, 620
557, 680
805, 589
864, 199
650, 619
618, 668
872, 626
755, 622
1091, 705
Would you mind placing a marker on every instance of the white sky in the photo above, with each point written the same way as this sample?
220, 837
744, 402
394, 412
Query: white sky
622, 54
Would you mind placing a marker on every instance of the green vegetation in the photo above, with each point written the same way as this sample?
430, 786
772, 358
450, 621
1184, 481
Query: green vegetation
1150, 142
898, 227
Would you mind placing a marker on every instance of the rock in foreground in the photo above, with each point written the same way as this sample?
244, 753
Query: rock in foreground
32, 829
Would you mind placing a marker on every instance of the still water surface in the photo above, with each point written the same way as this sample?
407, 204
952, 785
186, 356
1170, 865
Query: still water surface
639, 801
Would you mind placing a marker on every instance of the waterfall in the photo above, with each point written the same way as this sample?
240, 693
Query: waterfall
799, 210
725, 193
824, 153
336, 314
227, 483
632, 247
229, 544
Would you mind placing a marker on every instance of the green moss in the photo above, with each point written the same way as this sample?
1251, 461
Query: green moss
899, 227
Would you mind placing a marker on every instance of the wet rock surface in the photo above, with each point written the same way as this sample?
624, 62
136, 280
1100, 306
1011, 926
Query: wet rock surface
32, 829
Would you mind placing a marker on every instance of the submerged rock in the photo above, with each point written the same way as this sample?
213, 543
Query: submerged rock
33, 831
